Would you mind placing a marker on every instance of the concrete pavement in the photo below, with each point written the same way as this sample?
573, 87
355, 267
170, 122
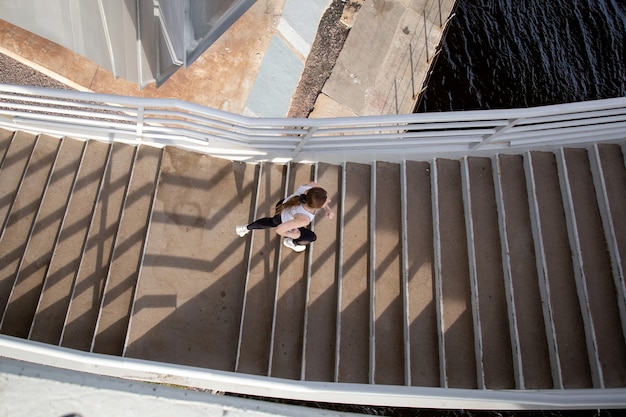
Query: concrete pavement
72, 394
385, 60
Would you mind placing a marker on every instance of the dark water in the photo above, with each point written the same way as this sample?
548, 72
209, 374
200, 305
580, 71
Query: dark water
524, 53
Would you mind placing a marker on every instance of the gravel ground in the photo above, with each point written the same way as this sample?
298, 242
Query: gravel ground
331, 35
14, 72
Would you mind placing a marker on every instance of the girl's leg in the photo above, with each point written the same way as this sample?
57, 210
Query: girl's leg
306, 237
265, 223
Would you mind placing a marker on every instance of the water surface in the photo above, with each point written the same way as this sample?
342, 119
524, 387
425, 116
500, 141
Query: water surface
523, 53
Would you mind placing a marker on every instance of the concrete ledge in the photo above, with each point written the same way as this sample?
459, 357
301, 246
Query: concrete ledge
61, 392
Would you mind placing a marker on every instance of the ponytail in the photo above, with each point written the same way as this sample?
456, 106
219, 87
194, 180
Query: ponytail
291, 202
315, 198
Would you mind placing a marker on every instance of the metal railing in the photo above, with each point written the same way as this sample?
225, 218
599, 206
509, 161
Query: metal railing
338, 393
349, 139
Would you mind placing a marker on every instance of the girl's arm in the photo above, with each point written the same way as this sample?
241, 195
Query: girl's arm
290, 228
328, 210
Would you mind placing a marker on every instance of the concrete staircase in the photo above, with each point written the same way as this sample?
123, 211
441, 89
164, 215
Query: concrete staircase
498, 273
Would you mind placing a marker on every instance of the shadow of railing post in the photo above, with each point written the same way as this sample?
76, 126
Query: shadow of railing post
440, 15
412, 70
426, 38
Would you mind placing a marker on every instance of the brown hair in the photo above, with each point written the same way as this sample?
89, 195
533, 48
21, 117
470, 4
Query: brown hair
315, 198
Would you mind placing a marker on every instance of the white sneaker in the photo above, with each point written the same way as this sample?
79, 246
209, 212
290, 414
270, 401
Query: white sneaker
242, 230
289, 243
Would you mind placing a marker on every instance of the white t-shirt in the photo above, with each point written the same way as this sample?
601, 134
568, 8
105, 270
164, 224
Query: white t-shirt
290, 212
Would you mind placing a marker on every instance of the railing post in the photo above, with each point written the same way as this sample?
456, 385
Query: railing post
304, 140
140, 111
426, 37
440, 15
395, 89
412, 71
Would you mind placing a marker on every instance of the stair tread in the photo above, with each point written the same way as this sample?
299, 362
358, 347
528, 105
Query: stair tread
23, 214
423, 339
94, 263
13, 166
40, 249
599, 284
189, 295
125, 264
321, 327
615, 178
19, 223
354, 335
534, 354
54, 302
256, 332
458, 329
290, 299
388, 304
563, 297
5, 141
493, 315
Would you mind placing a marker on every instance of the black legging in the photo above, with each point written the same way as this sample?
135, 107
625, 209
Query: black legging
306, 235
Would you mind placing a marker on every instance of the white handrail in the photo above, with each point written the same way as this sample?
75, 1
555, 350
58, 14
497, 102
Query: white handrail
338, 393
334, 140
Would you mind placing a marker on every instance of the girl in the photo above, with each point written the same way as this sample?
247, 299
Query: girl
292, 216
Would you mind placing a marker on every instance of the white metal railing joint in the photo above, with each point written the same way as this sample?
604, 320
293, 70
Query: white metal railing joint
140, 111
305, 139
499, 131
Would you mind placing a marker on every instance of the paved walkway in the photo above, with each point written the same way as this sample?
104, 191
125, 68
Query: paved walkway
386, 58
255, 66
73, 394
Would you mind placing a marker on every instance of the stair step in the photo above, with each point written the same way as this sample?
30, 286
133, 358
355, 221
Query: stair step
19, 223
13, 168
594, 278
290, 299
423, 355
460, 369
189, 297
115, 309
609, 176
36, 259
569, 355
529, 344
87, 291
354, 361
5, 141
494, 353
61, 275
258, 310
320, 331
388, 288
